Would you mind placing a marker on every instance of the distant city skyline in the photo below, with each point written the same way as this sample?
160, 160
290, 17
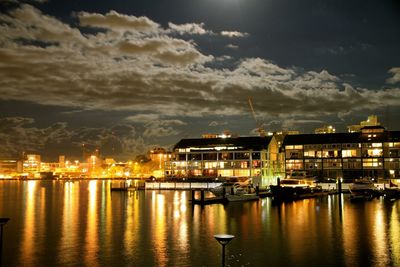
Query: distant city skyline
126, 77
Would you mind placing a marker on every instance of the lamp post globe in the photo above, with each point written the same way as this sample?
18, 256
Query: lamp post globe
223, 239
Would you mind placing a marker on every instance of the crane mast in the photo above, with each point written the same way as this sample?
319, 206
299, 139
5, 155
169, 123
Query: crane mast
260, 130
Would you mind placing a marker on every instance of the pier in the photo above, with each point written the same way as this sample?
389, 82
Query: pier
206, 200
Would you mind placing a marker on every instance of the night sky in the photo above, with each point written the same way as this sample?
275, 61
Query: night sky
126, 76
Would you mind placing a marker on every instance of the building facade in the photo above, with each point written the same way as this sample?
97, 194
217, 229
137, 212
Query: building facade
10, 167
373, 152
224, 157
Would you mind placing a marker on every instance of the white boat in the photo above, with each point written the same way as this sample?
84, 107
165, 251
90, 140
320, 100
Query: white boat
227, 188
363, 189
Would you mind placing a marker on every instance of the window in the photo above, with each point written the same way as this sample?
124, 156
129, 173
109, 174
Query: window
351, 163
210, 156
377, 152
194, 157
309, 154
331, 153
294, 164
242, 155
349, 153
332, 163
225, 156
376, 144
372, 163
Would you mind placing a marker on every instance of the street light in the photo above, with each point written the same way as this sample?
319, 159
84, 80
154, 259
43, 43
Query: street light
223, 239
3, 221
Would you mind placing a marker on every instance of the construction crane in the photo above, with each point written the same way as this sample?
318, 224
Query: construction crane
260, 129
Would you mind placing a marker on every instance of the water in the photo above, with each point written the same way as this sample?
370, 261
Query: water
55, 223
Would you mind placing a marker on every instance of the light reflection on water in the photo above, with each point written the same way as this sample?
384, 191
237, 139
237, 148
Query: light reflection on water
27, 244
70, 222
57, 223
91, 236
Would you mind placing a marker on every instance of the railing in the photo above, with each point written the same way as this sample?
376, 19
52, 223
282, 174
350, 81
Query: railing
180, 185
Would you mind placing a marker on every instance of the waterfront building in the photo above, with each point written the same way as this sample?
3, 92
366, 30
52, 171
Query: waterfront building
10, 167
372, 152
232, 157
371, 121
49, 166
31, 164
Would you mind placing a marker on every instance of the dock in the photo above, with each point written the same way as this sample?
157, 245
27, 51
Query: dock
123, 189
206, 200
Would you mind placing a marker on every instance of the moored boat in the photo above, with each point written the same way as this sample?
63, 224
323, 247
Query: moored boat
292, 189
363, 189
230, 188
392, 192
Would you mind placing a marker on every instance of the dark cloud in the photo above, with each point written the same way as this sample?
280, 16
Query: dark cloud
217, 123
18, 135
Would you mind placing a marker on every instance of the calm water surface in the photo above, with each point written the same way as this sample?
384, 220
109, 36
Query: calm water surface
55, 223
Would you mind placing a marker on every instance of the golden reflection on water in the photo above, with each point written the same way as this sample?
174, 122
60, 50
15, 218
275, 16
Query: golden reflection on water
301, 221
379, 235
159, 230
350, 234
108, 220
394, 233
359, 219
180, 222
70, 223
91, 238
27, 247
132, 227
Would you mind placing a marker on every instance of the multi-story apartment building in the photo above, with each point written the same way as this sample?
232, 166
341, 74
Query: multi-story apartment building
372, 152
10, 167
32, 163
225, 157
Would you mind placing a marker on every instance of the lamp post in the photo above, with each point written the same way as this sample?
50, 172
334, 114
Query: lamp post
3, 221
223, 239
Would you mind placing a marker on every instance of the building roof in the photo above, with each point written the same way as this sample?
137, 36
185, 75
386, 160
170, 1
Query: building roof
338, 138
255, 143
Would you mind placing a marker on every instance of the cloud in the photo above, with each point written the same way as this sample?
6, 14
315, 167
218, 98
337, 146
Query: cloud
142, 118
28, 23
396, 76
234, 34
116, 21
291, 123
188, 28
137, 66
217, 123
160, 128
18, 134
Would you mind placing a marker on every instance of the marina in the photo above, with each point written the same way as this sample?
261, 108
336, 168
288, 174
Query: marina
90, 225
174, 133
